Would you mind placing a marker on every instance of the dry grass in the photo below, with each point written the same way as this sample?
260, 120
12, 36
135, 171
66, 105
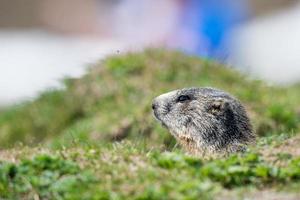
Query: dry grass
280, 151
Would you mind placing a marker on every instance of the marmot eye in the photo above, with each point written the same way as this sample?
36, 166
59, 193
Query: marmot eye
183, 98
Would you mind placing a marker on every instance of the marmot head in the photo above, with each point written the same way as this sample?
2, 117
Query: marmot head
208, 118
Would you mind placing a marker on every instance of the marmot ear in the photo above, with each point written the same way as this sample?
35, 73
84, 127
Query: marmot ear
218, 106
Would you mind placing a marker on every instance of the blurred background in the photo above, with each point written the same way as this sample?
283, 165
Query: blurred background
42, 41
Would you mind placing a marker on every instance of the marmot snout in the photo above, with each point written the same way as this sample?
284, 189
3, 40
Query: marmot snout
205, 121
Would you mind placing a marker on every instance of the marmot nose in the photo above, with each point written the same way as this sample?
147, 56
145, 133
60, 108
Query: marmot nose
154, 106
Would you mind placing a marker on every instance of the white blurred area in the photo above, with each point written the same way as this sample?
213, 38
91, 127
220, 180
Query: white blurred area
34, 60
56, 38
145, 22
269, 47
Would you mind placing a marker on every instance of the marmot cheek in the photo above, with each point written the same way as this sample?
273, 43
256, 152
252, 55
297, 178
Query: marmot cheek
187, 122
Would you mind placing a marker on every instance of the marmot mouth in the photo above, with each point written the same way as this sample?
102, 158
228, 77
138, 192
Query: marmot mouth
163, 124
156, 116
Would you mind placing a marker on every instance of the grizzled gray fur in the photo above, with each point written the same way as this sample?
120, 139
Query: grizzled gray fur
205, 121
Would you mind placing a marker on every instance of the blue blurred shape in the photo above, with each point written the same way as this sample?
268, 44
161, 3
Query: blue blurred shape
210, 22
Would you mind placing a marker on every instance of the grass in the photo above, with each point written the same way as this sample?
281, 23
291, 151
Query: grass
128, 171
96, 139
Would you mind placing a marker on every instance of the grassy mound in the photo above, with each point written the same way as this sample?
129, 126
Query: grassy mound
108, 146
112, 101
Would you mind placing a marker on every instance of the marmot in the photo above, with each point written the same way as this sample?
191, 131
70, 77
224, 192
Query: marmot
205, 121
